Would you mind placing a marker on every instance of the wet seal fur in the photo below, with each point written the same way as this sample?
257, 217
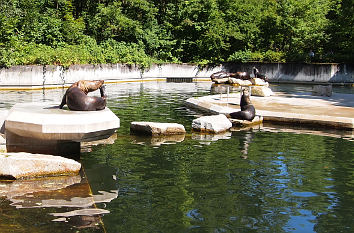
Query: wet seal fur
248, 112
77, 100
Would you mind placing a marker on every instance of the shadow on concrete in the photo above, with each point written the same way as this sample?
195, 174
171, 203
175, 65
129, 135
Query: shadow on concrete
344, 74
337, 99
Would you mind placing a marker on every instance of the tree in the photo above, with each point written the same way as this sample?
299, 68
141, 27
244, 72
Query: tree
341, 30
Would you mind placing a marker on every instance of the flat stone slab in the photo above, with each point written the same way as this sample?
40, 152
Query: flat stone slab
212, 124
336, 111
155, 128
47, 122
21, 165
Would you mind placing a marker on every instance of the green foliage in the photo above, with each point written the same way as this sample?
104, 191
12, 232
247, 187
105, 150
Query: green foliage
87, 52
248, 56
272, 56
200, 31
122, 52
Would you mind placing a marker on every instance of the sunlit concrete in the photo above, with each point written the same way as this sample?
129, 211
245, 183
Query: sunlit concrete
44, 128
336, 111
46, 121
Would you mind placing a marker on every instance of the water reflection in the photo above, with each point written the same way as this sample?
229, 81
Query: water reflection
208, 138
157, 140
53, 195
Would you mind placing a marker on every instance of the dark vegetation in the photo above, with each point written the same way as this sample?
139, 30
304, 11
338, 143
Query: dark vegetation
66, 32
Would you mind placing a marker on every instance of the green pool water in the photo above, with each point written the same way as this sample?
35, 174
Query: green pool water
242, 181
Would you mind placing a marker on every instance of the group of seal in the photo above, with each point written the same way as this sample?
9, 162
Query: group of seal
76, 97
224, 74
238, 75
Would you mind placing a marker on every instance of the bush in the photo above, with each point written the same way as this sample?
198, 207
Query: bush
248, 56
87, 52
240, 56
272, 56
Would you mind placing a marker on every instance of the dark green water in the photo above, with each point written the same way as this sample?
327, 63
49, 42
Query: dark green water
243, 181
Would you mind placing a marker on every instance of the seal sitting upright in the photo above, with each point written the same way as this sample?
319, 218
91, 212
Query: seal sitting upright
77, 99
248, 112
259, 75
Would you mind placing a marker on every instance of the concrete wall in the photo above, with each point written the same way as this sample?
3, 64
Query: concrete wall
37, 75
296, 72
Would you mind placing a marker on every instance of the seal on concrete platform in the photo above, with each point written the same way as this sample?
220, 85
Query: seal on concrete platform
248, 112
44, 128
77, 100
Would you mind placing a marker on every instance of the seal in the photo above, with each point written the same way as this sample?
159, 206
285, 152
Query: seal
259, 75
241, 75
76, 97
248, 112
222, 75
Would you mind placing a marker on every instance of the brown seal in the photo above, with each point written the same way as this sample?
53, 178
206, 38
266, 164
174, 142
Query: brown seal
223, 74
248, 112
259, 75
76, 96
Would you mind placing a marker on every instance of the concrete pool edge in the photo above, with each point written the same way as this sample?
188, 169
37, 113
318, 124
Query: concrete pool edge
223, 104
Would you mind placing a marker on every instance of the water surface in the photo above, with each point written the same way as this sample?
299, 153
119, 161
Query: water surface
241, 181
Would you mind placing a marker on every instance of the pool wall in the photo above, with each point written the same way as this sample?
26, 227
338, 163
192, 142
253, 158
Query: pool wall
51, 76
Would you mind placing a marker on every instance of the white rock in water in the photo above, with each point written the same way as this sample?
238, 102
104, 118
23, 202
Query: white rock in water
212, 124
261, 91
259, 82
20, 165
155, 128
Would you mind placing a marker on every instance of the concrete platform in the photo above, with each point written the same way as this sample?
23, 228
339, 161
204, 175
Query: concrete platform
44, 128
46, 121
336, 111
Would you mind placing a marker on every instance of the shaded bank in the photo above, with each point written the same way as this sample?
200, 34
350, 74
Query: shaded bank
49, 75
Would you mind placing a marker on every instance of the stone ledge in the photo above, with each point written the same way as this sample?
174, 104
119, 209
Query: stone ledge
22, 165
307, 119
155, 128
